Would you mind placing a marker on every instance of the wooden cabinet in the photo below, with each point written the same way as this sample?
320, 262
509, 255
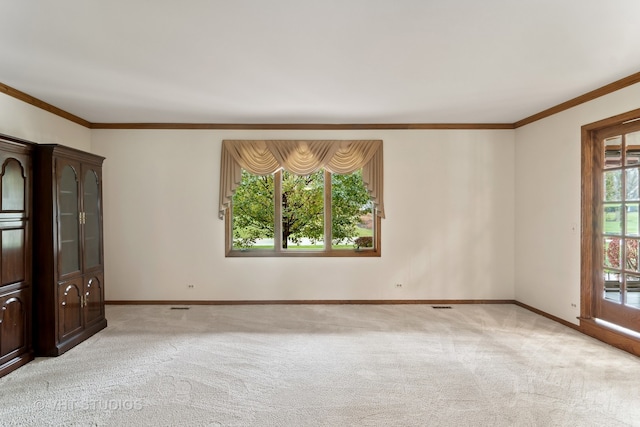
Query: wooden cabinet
15, 254
51, 255
69, 273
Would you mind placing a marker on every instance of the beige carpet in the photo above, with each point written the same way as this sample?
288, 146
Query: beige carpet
315, 365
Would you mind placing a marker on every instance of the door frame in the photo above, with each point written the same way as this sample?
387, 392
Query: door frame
591, 254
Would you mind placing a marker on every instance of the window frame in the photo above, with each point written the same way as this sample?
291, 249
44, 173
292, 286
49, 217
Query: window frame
278, 251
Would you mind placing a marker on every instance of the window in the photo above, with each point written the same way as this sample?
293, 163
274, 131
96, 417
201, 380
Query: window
302, 198
611, 230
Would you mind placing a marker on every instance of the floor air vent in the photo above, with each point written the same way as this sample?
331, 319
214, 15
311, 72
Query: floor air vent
440, 307
180, 308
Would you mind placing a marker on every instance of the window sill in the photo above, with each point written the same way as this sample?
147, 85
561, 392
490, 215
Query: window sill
296, 253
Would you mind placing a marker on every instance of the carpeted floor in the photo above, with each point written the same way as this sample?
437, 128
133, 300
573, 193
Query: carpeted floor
328, 365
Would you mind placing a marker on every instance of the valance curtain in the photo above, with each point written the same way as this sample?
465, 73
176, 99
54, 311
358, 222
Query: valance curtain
264, 157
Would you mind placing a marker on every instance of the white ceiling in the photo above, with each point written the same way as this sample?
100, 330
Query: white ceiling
315, 61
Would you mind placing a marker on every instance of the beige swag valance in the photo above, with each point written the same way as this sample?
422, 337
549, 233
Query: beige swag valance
264, 157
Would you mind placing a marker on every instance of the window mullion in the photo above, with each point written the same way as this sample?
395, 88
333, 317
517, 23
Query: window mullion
327, 211
623, 243
277, 215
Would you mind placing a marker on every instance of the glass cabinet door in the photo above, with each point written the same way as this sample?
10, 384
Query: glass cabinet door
14, 254
13, 186
91, 221
69, 221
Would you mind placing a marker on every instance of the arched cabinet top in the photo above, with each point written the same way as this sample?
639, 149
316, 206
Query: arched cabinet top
13, 185
10, 160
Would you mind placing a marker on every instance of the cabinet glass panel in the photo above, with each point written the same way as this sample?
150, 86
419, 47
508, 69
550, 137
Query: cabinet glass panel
91, 220
13, 189
69, 221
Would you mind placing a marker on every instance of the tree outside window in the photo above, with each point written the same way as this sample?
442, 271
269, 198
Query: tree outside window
308, 205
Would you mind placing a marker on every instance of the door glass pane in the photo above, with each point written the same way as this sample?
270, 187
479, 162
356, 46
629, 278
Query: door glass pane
613, 152
69, 221
612, 286
352, 221
632, 146
91, 220
632, 184
631, 219
613, 186
612, 252
303, 211
612, 218
632, 294
619, 208
631, 255
253, 212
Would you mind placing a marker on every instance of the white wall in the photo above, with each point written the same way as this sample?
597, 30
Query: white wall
449, 198
547, 267
451, 207
22, 120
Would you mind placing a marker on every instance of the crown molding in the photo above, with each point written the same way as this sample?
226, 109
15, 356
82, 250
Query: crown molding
589, 96
301, 126
15, 93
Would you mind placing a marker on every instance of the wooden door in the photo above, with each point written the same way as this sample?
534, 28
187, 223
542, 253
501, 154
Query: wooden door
618, 290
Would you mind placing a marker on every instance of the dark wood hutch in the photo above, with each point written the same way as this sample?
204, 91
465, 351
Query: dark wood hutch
16, 285
51, 250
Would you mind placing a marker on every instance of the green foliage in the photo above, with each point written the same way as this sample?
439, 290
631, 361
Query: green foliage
349, 200
613, 185
632, 179
302, 208
253, 210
